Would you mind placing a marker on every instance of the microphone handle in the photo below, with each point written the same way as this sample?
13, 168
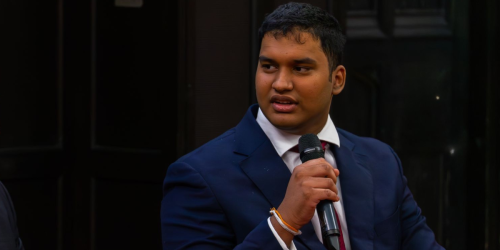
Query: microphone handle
329, 227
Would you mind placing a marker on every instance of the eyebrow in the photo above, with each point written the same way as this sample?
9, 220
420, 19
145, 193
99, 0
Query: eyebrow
265, 59
306, 60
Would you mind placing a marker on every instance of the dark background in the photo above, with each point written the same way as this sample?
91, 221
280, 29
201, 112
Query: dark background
97, 99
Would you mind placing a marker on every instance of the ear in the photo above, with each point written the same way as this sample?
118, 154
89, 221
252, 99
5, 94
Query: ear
338, 79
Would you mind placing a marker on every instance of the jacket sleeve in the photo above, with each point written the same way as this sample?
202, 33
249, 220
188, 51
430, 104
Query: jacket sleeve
415, 233
192, 218
9, 235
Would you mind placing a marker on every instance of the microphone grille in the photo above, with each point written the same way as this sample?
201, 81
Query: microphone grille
310, 147
309, 141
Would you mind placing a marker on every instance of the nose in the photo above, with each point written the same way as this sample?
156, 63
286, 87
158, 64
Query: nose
283, 82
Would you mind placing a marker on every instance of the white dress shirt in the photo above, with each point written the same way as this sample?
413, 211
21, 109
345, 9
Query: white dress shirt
283, 142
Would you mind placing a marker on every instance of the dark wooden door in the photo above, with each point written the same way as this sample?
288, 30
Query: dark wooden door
133, 111
88, 103
32, 159
404, 87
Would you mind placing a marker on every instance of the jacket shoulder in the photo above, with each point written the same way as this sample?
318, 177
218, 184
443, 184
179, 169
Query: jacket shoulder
221, 145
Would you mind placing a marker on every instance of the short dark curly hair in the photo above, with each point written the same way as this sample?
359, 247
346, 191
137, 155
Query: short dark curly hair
303, 17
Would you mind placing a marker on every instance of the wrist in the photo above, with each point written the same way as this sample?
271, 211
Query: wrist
289, 218
283, 223
282, 234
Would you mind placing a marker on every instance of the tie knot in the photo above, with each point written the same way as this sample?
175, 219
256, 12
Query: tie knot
296, 148
323, 144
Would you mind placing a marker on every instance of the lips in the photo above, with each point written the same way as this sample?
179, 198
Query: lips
283, 104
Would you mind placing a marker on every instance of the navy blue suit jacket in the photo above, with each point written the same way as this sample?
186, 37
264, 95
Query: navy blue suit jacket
219, 195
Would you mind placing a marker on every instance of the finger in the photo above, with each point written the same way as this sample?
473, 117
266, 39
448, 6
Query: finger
320, 183
325, 194
316, 167
324, 170
336, 171
321, 171
314, 161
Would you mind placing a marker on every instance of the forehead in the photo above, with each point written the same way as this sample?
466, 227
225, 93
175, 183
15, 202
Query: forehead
293, 43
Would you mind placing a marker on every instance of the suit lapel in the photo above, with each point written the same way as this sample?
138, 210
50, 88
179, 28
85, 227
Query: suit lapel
262, 164
357, 193
267, 170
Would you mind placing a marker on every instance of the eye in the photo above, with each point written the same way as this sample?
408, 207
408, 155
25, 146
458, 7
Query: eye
302, 69
268, 67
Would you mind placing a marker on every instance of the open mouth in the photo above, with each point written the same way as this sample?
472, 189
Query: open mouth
283, 104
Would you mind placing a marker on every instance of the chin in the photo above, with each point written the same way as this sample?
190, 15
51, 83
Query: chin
287, 126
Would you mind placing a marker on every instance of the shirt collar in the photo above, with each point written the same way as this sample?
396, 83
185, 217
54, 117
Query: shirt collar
283, 141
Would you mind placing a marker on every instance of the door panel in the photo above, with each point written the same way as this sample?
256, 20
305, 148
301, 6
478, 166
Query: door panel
31, 160
133, 97
88, 100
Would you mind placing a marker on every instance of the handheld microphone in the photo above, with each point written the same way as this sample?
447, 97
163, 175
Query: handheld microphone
310, 148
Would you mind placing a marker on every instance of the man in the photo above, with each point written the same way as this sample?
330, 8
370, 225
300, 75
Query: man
9, 235
220, 195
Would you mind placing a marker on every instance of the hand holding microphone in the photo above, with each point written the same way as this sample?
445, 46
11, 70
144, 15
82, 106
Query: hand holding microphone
310, 147
311, 182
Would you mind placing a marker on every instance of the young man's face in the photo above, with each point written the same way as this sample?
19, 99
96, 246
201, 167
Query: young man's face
293, 84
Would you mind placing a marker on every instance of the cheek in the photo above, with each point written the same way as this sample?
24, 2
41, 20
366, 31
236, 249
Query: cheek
315, 91
263, 83
315, 95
